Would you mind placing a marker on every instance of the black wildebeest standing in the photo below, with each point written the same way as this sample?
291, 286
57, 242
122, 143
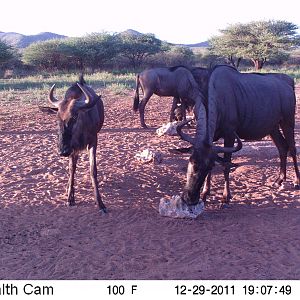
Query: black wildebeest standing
80, 117
175, 81
250, 106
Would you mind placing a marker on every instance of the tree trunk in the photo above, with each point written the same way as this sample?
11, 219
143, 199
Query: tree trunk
231, 60
238, 62
258, 64
233, 63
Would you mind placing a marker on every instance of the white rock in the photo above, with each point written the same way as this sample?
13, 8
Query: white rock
148, 155
170, 128
176, 208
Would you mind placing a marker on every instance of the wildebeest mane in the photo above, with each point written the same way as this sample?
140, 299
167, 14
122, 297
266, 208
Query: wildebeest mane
174, 68
223, 65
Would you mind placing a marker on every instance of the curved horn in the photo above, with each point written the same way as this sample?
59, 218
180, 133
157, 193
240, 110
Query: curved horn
184, 136
238, 147
201, 128
52, 99
90, 100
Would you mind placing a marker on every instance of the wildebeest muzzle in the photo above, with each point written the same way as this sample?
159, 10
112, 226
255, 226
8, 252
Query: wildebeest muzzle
64, 141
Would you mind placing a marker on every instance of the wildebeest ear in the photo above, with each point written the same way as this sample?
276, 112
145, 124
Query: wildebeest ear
81, 79
49, 110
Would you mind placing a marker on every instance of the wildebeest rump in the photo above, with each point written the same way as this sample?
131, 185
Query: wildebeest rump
250, 106
176, 81
80, 117
201, 76
179, 107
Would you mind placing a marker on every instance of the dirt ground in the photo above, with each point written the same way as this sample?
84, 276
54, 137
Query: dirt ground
42, 238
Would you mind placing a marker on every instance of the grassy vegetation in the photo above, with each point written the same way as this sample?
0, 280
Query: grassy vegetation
40, 82
293, 72
35, 88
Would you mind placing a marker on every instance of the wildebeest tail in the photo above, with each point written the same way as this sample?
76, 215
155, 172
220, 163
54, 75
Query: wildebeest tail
136, 99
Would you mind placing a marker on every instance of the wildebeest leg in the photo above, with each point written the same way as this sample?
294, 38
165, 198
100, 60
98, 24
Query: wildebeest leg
228, 142
174, 106
297, 176
93, 174
183, 110
206, 188
282, 147
288, 132
142, 105
226, 192
70, 189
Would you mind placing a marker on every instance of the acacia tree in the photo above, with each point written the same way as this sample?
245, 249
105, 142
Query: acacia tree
137, 47
102, 49
6, 52
257, 41
92, 51
46, 55
228, 45
181, 55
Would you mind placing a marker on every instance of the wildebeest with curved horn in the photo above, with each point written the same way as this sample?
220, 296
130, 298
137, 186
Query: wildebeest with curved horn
250, 106
80, 117
175, 81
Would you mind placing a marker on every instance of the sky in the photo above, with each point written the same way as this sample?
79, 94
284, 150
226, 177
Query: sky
182, 22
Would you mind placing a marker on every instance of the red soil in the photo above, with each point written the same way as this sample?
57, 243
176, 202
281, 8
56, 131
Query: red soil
42, 238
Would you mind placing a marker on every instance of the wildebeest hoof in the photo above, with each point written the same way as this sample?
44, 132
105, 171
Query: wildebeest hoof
71, 203
204, 196
277, 184
103, 210
233, 167
224, 206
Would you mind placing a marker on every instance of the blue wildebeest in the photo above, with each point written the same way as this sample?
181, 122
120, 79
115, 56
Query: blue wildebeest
249, 106
80, 117
177, 82
179, 107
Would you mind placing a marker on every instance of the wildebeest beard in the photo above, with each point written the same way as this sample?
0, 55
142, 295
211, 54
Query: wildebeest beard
65, 146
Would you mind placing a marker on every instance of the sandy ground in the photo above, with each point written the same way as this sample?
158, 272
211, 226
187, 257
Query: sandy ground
42, 238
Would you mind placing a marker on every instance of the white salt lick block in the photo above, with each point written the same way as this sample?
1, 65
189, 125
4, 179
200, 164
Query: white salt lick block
176, 208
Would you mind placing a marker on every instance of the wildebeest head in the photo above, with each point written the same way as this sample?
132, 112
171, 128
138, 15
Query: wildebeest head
203, 158
78, 98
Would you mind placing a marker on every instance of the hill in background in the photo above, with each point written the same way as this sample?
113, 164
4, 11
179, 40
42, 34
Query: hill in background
197, 45
22, 41
130, 32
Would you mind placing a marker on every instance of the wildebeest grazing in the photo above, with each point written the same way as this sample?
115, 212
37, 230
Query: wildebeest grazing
80, 117
175, 81
250, 106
